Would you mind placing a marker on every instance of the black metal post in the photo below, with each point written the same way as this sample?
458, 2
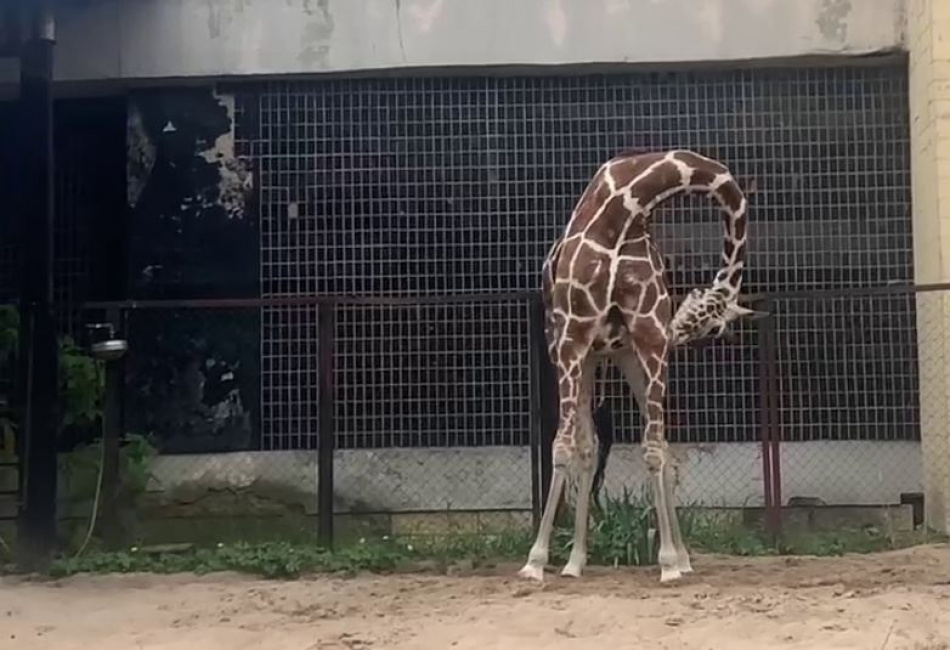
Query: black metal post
38, 352
536, 357
327, 426
548, 394
110, 527
768, 404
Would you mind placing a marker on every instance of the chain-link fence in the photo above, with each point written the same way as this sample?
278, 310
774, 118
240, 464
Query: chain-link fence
439, 418
247, 419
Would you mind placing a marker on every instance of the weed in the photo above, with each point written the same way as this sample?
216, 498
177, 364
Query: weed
272, 560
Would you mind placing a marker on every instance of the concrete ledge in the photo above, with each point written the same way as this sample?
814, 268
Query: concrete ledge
798, 519
499, 478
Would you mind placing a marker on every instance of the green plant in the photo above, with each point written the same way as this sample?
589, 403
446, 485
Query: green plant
272, 560
81, 467
9, 336
82, 384
81, 381
622, 533
475, 547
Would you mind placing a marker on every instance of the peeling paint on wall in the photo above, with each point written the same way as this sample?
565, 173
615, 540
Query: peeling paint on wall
140, 154
317, 32
236, 181
192, 234
832, 19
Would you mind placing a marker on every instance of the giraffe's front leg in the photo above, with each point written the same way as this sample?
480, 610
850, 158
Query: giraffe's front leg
540, 550
682, 554
578, 558
584, 463
655, 454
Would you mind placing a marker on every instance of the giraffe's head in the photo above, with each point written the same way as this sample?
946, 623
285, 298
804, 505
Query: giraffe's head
705, 314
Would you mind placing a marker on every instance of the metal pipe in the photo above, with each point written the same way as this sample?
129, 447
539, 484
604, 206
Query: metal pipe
326, 441
536, 349
38, 350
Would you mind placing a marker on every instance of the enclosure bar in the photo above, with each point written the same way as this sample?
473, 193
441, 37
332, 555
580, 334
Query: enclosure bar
38, 363
109, 526
548, 394
764, 414
770, 353
310, 301
326, 433
303, 301
771, 458
536, 357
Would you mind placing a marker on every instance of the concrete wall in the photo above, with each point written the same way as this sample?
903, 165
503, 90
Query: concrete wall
928, 38
498, 478
148, 39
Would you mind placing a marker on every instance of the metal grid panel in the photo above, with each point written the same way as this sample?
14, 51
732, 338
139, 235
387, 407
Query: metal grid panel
9, 258
433, 375
848, 369
72, 262
290, 381
418, 186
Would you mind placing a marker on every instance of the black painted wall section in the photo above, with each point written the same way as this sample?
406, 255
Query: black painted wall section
193, 374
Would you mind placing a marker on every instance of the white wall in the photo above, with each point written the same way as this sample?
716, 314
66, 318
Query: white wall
499, 478
143, 39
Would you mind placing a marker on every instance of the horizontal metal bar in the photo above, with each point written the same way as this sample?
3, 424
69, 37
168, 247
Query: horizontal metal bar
855, 292
343, 300
312, 301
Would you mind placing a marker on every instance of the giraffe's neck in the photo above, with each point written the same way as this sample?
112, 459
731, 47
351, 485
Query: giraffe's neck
686, 172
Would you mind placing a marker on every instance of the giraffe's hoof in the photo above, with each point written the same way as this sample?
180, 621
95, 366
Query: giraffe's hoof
686, 567
530, 572
572, 570
670, 575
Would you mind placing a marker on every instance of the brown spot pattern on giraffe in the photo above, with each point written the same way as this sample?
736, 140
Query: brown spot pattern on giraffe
609, 223
624, 171
650, 296
581, 304
663, 177
702, 177
730, 196
563, 268
590, 266
637, 247
698, 162
594, 196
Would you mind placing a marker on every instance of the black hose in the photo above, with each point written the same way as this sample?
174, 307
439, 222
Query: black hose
604, 425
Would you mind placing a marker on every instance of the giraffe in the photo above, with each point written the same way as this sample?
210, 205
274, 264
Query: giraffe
605, 296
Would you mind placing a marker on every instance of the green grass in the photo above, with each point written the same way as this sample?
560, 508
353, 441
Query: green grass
623, 533
271, 559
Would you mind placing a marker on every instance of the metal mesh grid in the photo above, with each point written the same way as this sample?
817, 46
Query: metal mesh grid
421, 186
848, 368
74, 196
193, 377
852, 385
8, 246
433, 375
289, 381
712, 394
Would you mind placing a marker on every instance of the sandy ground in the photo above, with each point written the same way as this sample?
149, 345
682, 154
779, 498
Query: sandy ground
888, 601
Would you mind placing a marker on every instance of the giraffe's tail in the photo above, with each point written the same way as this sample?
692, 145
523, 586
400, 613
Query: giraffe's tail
604, 425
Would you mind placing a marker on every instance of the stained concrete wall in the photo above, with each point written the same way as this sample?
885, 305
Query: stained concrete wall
499, 478
149, 39
928, 39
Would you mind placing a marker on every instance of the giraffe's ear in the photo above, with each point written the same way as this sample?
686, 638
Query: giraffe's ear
739, 311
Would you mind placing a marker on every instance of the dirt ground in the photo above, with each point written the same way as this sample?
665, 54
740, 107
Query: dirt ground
880, 602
